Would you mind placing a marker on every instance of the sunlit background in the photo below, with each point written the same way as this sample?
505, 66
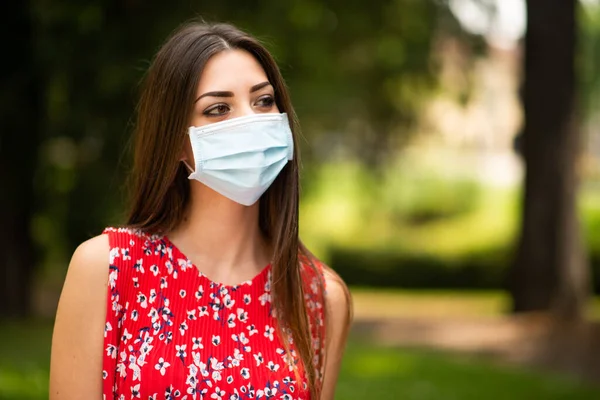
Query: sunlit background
412, 178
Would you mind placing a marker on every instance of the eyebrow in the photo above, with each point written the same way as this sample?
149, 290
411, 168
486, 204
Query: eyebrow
230, 94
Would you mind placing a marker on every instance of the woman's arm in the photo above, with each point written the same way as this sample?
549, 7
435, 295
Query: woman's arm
77, 342
338, 319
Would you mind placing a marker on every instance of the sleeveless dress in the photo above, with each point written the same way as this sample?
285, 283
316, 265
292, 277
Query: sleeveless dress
172, 333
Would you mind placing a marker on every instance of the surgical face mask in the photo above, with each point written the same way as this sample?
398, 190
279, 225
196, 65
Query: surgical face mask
241, 157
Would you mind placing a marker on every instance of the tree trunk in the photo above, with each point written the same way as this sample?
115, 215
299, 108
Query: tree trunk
20, 113
550, 271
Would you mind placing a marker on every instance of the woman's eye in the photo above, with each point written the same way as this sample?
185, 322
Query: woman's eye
217, 110
266, 102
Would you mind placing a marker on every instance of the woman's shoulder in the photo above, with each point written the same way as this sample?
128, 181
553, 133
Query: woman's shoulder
323, 285
316, 272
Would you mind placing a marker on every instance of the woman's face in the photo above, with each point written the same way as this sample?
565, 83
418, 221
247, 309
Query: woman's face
233, 84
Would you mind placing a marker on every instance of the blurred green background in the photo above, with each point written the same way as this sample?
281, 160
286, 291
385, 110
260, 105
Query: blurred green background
412, 181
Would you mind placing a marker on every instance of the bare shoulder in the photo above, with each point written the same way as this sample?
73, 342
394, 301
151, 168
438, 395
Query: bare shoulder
88, 270
337, 296
338, 320
93, 252
76, 361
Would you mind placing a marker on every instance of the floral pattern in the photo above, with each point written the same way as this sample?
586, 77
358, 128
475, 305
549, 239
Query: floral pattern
172, 333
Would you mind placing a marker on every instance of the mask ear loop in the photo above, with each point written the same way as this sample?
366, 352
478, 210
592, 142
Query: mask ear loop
190, 169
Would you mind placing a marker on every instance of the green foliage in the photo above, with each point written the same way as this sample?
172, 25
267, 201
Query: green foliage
367, 232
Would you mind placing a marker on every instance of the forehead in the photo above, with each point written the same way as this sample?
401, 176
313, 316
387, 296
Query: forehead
231, 70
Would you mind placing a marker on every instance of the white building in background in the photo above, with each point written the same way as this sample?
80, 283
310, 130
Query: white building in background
474, 137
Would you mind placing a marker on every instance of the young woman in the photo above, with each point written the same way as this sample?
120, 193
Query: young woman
207, 292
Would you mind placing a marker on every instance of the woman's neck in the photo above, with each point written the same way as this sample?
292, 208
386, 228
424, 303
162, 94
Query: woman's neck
221, 237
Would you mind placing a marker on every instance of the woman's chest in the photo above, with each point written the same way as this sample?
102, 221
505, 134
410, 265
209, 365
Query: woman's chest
195, 342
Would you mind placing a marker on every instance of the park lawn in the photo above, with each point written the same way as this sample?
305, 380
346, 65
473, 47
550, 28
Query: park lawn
369, 371
372, 372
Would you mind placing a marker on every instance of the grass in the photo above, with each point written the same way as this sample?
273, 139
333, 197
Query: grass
372, 372
368, 371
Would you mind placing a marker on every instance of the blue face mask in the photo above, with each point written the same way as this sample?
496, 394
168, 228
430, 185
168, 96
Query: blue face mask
241, 157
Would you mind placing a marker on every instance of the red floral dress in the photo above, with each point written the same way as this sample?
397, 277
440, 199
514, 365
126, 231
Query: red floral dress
172, 333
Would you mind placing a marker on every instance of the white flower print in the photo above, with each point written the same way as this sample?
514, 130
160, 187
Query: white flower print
199, 293
184, 264
286, 396
216, 376
269, 332
166, 312
243, 339
196, 358
111, 351
217, 395
125, 253
247, 299
252, 330
228, 301
203, 311
197, 343
136, 370
180, 351
162, 366
272, 366
216, 340
134, 315
114, 253
154, 269
163, 282
182, 328
216, 303
237, 355
191, 314
259, 358
136, 283
182, 293
270, 392
229, 379
121, 370
245, 372
231, 320
242, 315
152, 296
153, 314
104, 374
107, 328
216, 365
139, 265
141, 298
112, 278
126, 336
264, 298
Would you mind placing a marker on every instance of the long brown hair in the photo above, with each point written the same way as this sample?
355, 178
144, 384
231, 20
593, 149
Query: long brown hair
159, 184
